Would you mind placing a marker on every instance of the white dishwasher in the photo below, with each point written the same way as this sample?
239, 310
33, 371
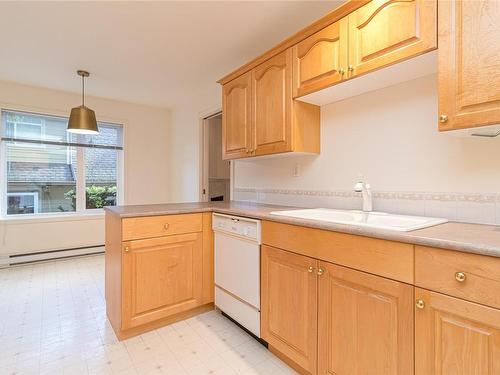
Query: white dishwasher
237, 269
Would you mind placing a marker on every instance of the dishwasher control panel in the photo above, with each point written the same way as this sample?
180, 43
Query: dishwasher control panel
237, 226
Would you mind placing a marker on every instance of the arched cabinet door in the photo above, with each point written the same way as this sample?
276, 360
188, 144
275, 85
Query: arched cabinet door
236, 118
272, 105
383, 32
320, 60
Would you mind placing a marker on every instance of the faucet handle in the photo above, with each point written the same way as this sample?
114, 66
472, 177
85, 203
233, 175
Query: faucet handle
358, 188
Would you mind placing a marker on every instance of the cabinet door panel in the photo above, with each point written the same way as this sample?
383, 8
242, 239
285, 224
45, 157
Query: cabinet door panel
453, 336
319, 59
236, 117
272, 101
383, 32
162, 276
365, 323
289, 305
469, 63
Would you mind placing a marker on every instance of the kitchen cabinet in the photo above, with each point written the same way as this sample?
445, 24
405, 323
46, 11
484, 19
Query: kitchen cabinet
454, 336
328, 319
162, 276
272, 105
469, 64
321, 59
236, 118
383, 32
289, 305
159, 269
378, 34
365, 323
275, 123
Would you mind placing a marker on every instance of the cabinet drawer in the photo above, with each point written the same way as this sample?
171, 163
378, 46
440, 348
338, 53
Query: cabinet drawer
156, 226
472, 277
390, 259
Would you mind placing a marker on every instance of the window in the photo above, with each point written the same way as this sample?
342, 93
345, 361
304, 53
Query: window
47, 170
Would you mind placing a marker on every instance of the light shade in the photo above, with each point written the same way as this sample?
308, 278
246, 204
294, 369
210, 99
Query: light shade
82, 121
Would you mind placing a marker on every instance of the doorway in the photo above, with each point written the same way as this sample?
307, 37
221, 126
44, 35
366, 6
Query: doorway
216, 181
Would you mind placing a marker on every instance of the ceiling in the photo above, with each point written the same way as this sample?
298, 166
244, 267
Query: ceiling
154, 53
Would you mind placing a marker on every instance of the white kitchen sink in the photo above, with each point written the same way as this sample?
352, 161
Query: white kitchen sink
380, 220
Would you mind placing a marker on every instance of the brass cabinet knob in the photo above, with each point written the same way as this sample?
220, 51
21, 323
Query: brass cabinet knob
310, 269
460, 277
419, 304
443, 119
341, 71
320, 272
127, 249
166, 226
351, 68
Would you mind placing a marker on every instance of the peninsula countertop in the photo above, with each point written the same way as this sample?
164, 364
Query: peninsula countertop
464, 237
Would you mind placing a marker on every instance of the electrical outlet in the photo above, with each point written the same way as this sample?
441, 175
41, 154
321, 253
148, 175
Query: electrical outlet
296, 170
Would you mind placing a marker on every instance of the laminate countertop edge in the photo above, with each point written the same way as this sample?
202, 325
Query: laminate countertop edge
464, 237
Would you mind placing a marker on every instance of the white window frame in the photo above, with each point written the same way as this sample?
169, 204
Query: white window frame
80, 209
34, 194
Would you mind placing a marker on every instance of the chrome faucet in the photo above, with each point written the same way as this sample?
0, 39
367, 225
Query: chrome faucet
364, 188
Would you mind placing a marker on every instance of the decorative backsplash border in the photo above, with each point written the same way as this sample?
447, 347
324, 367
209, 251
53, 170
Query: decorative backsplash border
483, 208
442, 197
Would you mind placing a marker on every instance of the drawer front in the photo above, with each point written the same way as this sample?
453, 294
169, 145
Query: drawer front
390, 259
156, 226
469, 276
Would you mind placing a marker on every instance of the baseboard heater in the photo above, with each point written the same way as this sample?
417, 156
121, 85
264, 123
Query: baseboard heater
17, 259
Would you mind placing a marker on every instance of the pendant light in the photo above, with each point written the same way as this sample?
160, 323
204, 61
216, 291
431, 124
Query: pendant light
82, 119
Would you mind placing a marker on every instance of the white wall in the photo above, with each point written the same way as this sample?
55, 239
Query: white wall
390, 137
146, 163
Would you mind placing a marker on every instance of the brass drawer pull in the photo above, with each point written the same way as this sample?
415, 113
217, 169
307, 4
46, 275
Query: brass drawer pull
320, 272
127, 249
166, 226
310, 269
460, 277
419, 304
443, 119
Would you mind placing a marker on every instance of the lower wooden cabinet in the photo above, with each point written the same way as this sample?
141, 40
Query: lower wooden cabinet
162, 276
158, 270
454, 336
329, 319
365, 323
289, 305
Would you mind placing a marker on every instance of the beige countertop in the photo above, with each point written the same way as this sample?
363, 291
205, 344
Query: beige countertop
471, 238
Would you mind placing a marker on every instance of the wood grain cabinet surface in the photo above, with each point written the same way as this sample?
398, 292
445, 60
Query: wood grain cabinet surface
383, 32
320, 60
365, 323
453, 336
469, 63
260, 117
236, 118
162, 276
157, 273
289, 305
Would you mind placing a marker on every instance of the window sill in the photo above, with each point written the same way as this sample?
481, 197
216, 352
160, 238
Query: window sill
52, 218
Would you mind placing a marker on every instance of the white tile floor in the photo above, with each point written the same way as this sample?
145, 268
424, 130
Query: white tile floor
53, 321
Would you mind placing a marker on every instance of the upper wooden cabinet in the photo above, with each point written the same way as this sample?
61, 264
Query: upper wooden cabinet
260, 117
320, 60
469, 64
271, 105
236, 118
383, 32
365, 323
378, 34
453, 336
